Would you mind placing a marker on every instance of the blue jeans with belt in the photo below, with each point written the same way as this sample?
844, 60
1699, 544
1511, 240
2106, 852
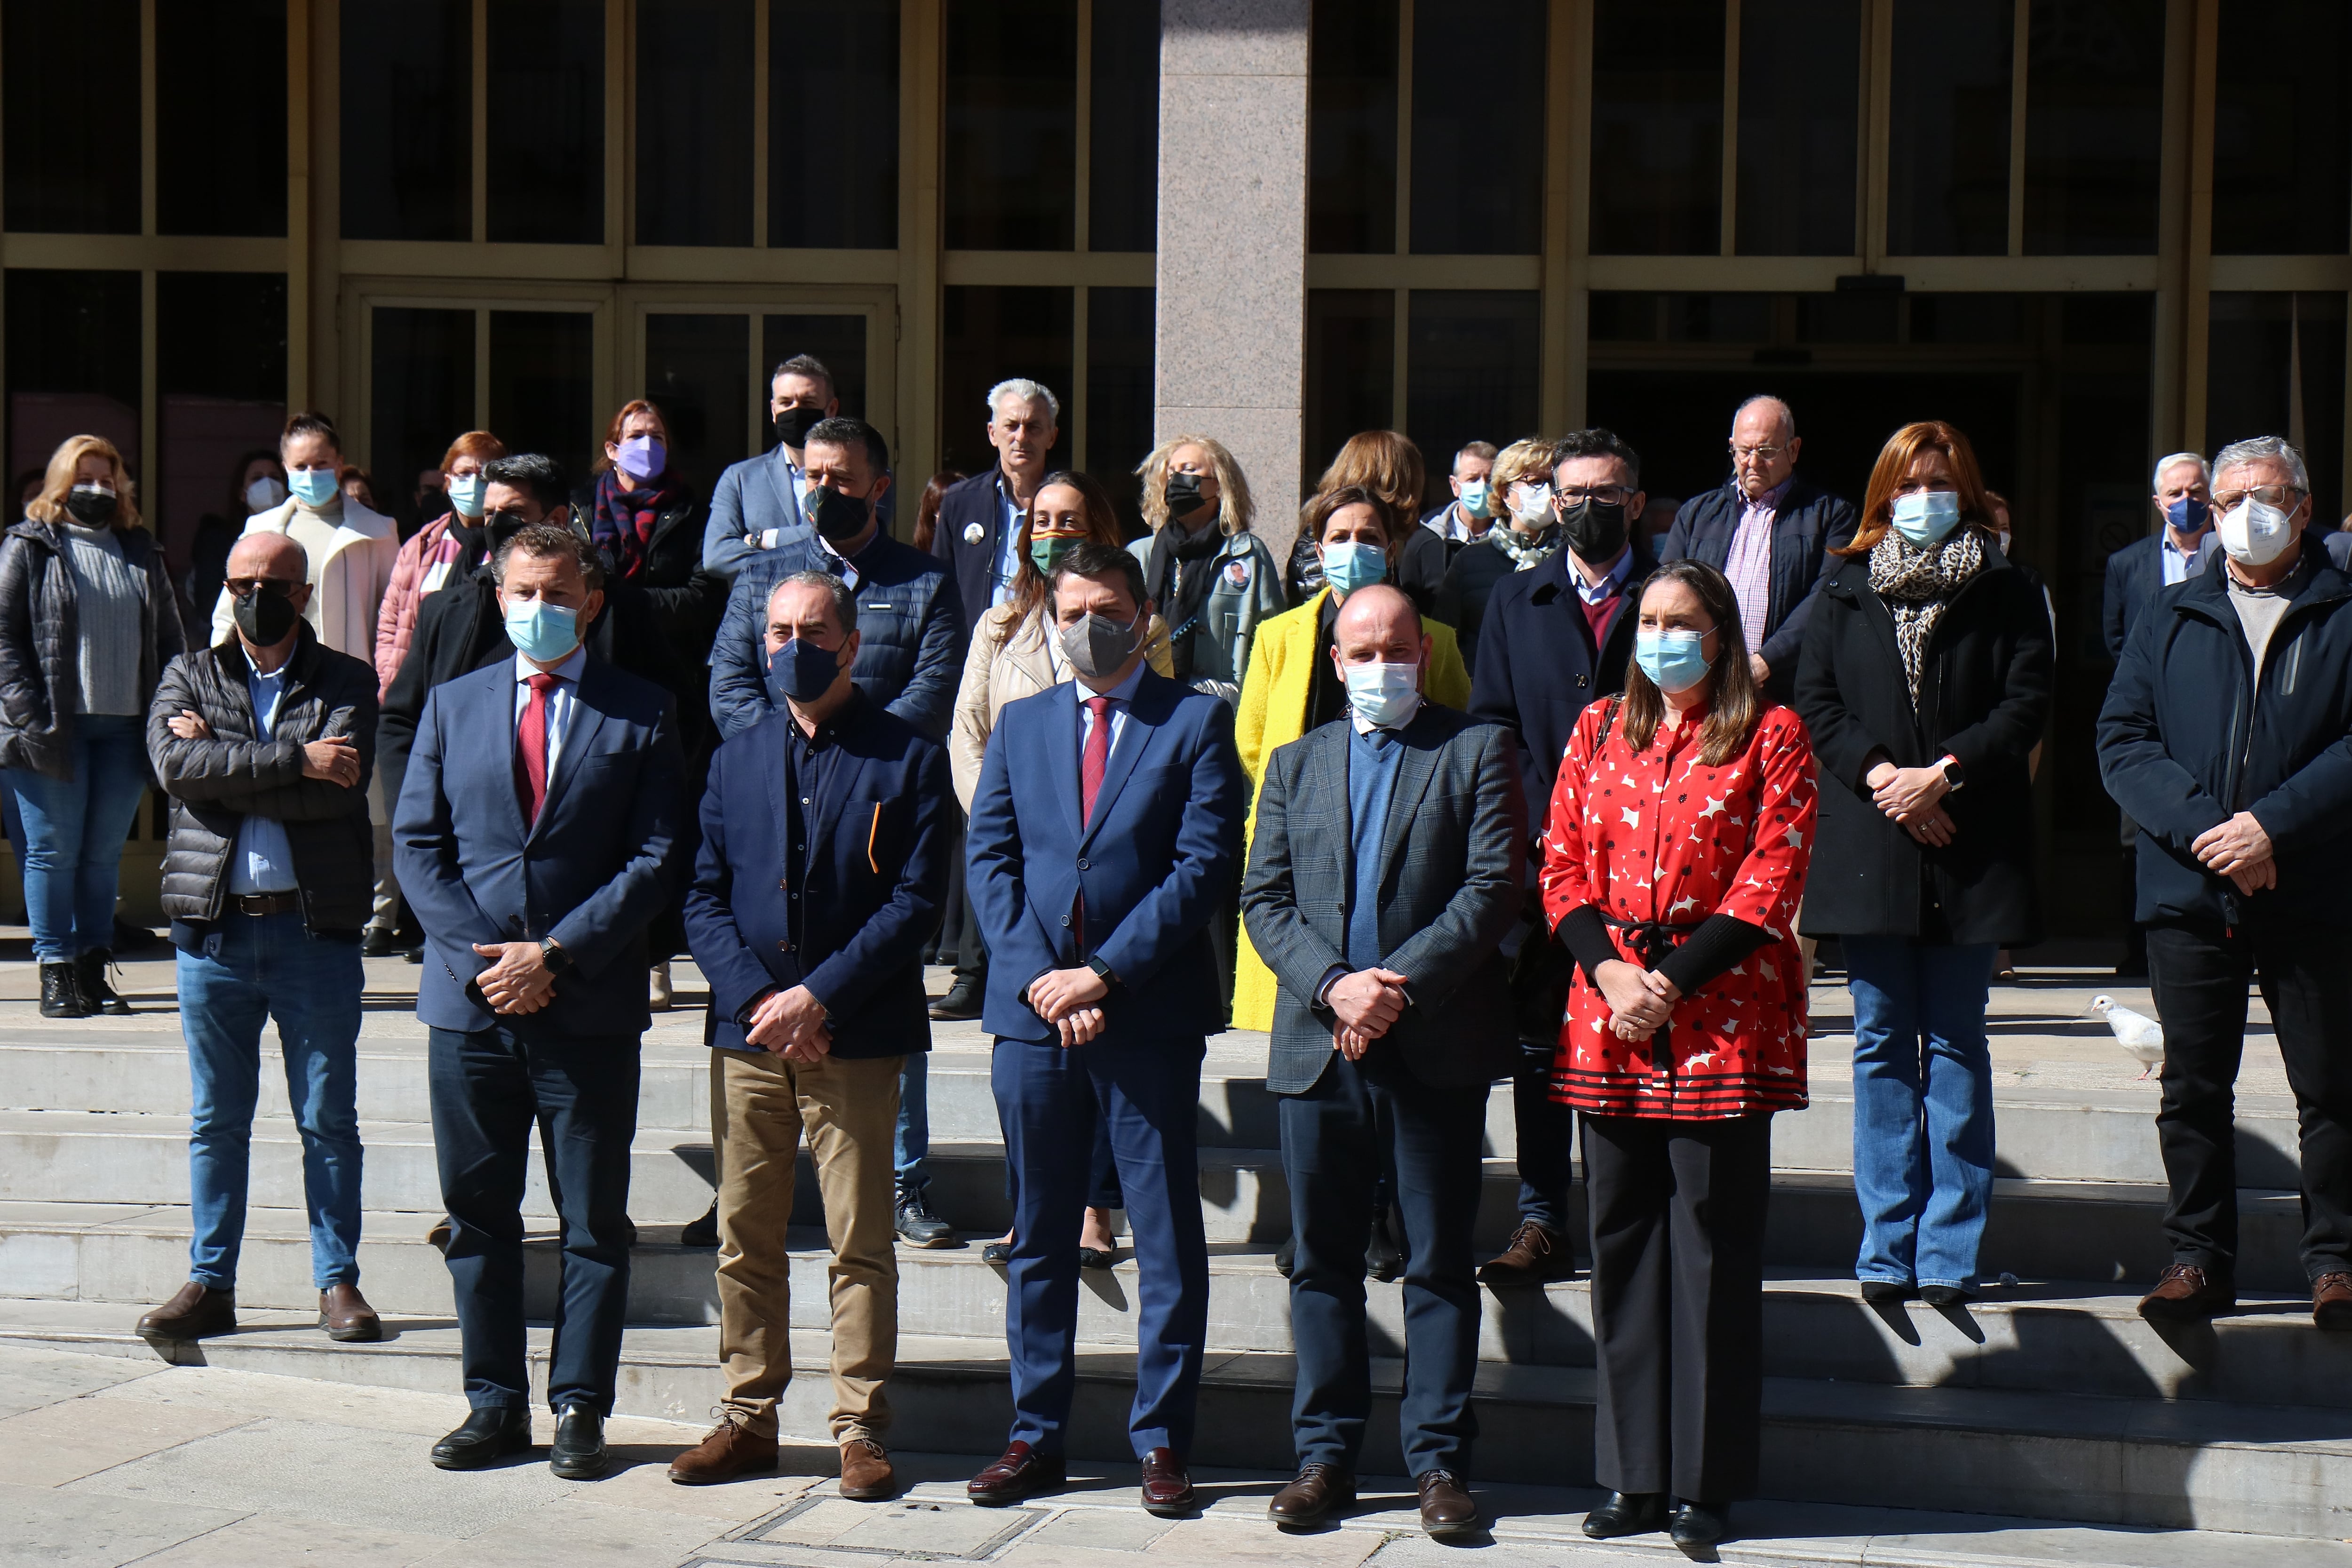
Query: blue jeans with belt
74, 832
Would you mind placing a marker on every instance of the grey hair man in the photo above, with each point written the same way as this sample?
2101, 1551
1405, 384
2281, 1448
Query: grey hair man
1474, 506
980, 517
2180, 491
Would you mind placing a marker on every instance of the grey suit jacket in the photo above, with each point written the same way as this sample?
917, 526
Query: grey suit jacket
1452, 853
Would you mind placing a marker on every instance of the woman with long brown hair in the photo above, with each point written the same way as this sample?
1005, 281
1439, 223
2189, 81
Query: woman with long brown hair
1925, 683
1680, 829
1389, 466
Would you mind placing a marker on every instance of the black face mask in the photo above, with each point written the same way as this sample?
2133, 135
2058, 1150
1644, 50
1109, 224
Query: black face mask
91, 507
794, 425
264, 616
1595, 529
836, 516
1183, 494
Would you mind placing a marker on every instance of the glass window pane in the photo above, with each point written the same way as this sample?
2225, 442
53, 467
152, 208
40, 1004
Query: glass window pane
232, 178
1470, 363
1848, 317
1477, 127
1352, 115
989, 334
2282, 132
2094, 127
1123, 178
546, 124
73, 115
2276, 367
1351, 373
1965, 318
542, 369
1947, 133
420, 398
407, 121
1012, 160
1799, 87
1657, 127
1119, 399
697, 373
73, 363
832, 123
220, 368
694, 122
838, 343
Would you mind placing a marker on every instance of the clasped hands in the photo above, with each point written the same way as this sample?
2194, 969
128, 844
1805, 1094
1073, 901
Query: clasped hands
1910, 795
518, 980
791, 1025
1368, 1003
1065, 998
1641, 1001
2240, 850
333, 760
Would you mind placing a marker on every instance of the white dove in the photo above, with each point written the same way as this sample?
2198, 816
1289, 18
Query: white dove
2142, 1036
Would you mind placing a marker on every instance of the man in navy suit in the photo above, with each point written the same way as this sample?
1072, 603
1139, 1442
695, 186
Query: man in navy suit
1104, 834
533, 838
2181, 547
980, 517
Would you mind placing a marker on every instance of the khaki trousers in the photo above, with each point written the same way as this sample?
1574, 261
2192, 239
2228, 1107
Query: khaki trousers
760, 1105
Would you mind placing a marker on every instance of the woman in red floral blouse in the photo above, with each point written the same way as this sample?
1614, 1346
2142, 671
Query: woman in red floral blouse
1680, 830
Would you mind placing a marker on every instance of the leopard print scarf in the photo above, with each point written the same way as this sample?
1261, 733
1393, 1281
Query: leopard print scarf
1918, 583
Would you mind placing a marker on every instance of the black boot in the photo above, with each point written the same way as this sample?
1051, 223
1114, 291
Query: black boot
61, 996
488, 1436
89, 975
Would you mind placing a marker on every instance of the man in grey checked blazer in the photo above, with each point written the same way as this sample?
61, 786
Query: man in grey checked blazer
1384, 876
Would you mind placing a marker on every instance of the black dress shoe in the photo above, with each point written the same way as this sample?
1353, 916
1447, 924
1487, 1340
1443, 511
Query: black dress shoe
961, 1002
703, 1232
1698, 1524
997, 1254
379, 942
579, 1451
1096, 1257
1627, 1513
488, 1436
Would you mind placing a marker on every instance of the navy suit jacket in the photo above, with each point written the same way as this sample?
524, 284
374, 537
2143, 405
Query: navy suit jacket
591, 872
879, 823
1809, 523
1156, 862
978, 499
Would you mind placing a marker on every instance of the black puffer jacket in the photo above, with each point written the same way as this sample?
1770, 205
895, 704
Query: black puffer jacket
216, 784
40, 671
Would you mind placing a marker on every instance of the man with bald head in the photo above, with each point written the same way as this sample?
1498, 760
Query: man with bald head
1770, 534
264, 742
1384, 875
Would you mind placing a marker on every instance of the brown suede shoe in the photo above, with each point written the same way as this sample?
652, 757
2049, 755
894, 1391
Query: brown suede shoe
865, 1472
1317, 1489
2185, 1293
198, 1312
731, 1451
1537, 1256
344, 1313
2331, 1300
1446, 1510
1167, 1486
1021, 1472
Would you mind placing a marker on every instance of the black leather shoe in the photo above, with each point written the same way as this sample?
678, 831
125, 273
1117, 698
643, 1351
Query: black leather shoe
962, 1002
1698, 1524
579, 1451
379, 942
488, 1436
61, 994
89, 976
1627, 1513
703, 1232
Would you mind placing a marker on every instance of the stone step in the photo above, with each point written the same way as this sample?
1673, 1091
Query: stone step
2052, 1337
2205, 1465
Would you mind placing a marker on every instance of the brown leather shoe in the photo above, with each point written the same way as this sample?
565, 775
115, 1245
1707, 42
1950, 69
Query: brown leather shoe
344, 1313
731, 1451
1537, 1256
2185, 1293
198, 1312
1021, 1472
2331, 1300
1317, 1489
1167, 1488
865, 1472
1446, 1511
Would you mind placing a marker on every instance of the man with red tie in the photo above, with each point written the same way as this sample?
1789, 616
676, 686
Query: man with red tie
534, 867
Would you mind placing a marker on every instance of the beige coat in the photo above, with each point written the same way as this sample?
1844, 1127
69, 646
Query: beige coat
1022, 666
347, 585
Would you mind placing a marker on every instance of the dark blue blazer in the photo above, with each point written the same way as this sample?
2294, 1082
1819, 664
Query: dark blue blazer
978, 499
1809, 523
1157, 861
591, 872
880, 826
2136, 576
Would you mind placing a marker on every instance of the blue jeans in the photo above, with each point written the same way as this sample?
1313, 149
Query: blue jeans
911, 1142
1923, 1137
74, 832
251, 969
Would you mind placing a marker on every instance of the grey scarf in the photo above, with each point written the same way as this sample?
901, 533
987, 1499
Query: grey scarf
1526, 555
1918, 583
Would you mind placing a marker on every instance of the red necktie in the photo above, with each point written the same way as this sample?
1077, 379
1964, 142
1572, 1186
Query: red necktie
1090, 773
531, 749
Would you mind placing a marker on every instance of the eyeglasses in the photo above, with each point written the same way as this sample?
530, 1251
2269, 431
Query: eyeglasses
245, 587
1606, 495
1740, 454
2283, 497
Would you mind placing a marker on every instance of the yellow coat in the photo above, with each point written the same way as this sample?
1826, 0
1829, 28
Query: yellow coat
1273, 713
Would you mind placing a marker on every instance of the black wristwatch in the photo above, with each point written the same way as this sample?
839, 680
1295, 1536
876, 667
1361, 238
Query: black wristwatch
1103, 972
553, 956
1954, 774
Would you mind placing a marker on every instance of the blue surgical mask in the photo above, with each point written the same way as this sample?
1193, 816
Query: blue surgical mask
1350, 566
466, 494
1671, 659
1923, 517
1476, 499
540, 631
2187, 515
314, 488
1383, 695
799, 671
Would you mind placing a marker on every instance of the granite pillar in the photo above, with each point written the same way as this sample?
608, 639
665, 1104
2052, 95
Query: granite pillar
1231, 334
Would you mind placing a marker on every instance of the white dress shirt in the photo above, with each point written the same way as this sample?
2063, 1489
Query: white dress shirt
560, 699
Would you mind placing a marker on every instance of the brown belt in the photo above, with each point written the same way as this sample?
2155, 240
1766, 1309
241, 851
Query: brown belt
265, 903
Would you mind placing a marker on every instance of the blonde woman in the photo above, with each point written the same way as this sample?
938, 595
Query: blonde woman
1521, 485
1213, 580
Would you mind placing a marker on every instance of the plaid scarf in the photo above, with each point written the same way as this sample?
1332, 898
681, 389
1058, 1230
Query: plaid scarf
1528, 556
1918, 583
624, 526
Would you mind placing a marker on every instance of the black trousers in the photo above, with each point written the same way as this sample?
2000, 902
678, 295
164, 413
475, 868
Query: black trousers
1679, 1301
2200, 978
487, 1089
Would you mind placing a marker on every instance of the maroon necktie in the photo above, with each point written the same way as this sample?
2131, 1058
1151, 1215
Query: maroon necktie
531, 749
1090, 773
